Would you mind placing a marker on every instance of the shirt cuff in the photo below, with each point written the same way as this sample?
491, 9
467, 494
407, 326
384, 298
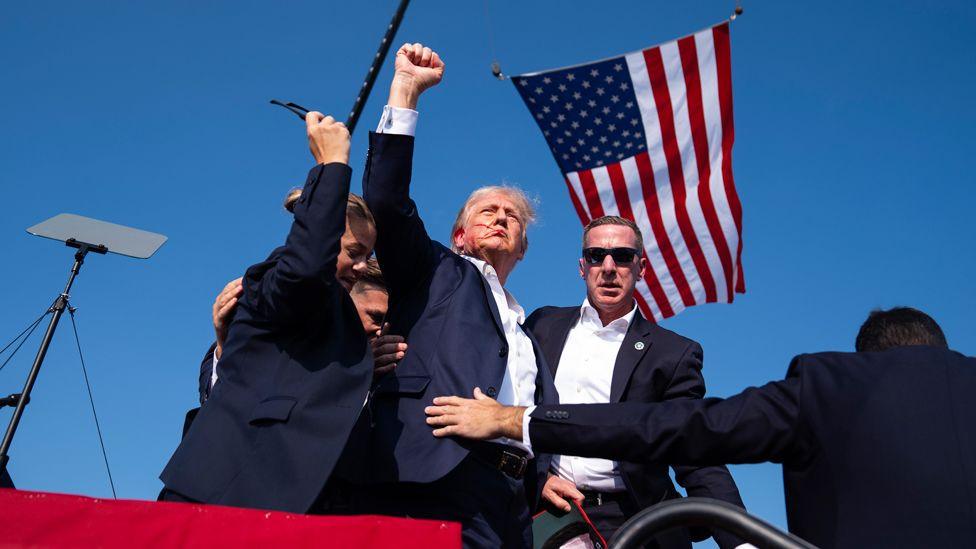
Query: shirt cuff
398, 120
525, 428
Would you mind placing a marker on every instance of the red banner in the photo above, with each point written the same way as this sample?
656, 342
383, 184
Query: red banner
39, 519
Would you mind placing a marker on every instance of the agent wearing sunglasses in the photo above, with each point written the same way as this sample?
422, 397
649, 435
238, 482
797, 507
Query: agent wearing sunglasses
605, 351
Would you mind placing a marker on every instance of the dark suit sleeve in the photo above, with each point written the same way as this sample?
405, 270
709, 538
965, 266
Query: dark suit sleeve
296, 284
403, 247
760, 424
686, 380
713, 481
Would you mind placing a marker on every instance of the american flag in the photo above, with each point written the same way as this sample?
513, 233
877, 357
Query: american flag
648, 136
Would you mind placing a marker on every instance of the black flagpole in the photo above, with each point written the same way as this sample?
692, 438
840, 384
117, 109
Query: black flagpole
374, 69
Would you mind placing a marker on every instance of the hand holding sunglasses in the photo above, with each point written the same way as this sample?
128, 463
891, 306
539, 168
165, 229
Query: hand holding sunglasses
299, 110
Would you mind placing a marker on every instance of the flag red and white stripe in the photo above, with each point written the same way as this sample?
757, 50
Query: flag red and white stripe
679, 189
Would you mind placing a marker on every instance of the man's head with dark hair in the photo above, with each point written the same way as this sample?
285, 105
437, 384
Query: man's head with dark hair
898, 327
612, 263
372, 276
371, 298
616, 220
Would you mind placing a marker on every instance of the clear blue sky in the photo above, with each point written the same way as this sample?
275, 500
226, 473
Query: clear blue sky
854, 126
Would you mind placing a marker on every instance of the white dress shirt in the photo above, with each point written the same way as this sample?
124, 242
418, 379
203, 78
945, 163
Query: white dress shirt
398, 120
518, 385
584, 376
213, 370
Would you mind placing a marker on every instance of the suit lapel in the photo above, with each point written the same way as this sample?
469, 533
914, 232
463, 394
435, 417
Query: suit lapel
635, 344
545, 388
490, 297
557, 336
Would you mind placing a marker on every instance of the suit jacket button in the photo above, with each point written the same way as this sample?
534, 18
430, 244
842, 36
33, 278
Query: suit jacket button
503, 352
492, 392
549, 414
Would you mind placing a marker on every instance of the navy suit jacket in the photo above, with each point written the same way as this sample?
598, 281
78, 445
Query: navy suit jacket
667, 366
878, 449
295, 370
443, 306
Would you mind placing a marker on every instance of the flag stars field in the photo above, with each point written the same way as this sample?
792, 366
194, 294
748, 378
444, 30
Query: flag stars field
669, 171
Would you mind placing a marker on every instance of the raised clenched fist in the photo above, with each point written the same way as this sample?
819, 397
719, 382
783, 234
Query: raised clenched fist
327, 139
417, 68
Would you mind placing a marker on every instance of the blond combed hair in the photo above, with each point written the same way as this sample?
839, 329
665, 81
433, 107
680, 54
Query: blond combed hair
523, 204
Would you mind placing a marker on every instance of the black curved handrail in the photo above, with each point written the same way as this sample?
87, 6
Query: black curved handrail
705, 512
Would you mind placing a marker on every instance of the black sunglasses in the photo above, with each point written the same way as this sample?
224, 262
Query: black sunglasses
621, 256
299, 110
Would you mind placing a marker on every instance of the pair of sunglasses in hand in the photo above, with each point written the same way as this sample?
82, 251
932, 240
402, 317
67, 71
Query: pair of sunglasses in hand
299, 110
621, 256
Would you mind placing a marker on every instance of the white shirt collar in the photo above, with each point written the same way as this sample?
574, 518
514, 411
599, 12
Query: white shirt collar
591, 317
491, 275
482, 265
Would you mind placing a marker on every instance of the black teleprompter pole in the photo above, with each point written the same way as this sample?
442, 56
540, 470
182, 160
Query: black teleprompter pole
60, 304
374, 69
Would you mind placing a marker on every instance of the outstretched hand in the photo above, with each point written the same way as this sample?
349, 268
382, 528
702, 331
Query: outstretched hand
417, 69
480, 418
